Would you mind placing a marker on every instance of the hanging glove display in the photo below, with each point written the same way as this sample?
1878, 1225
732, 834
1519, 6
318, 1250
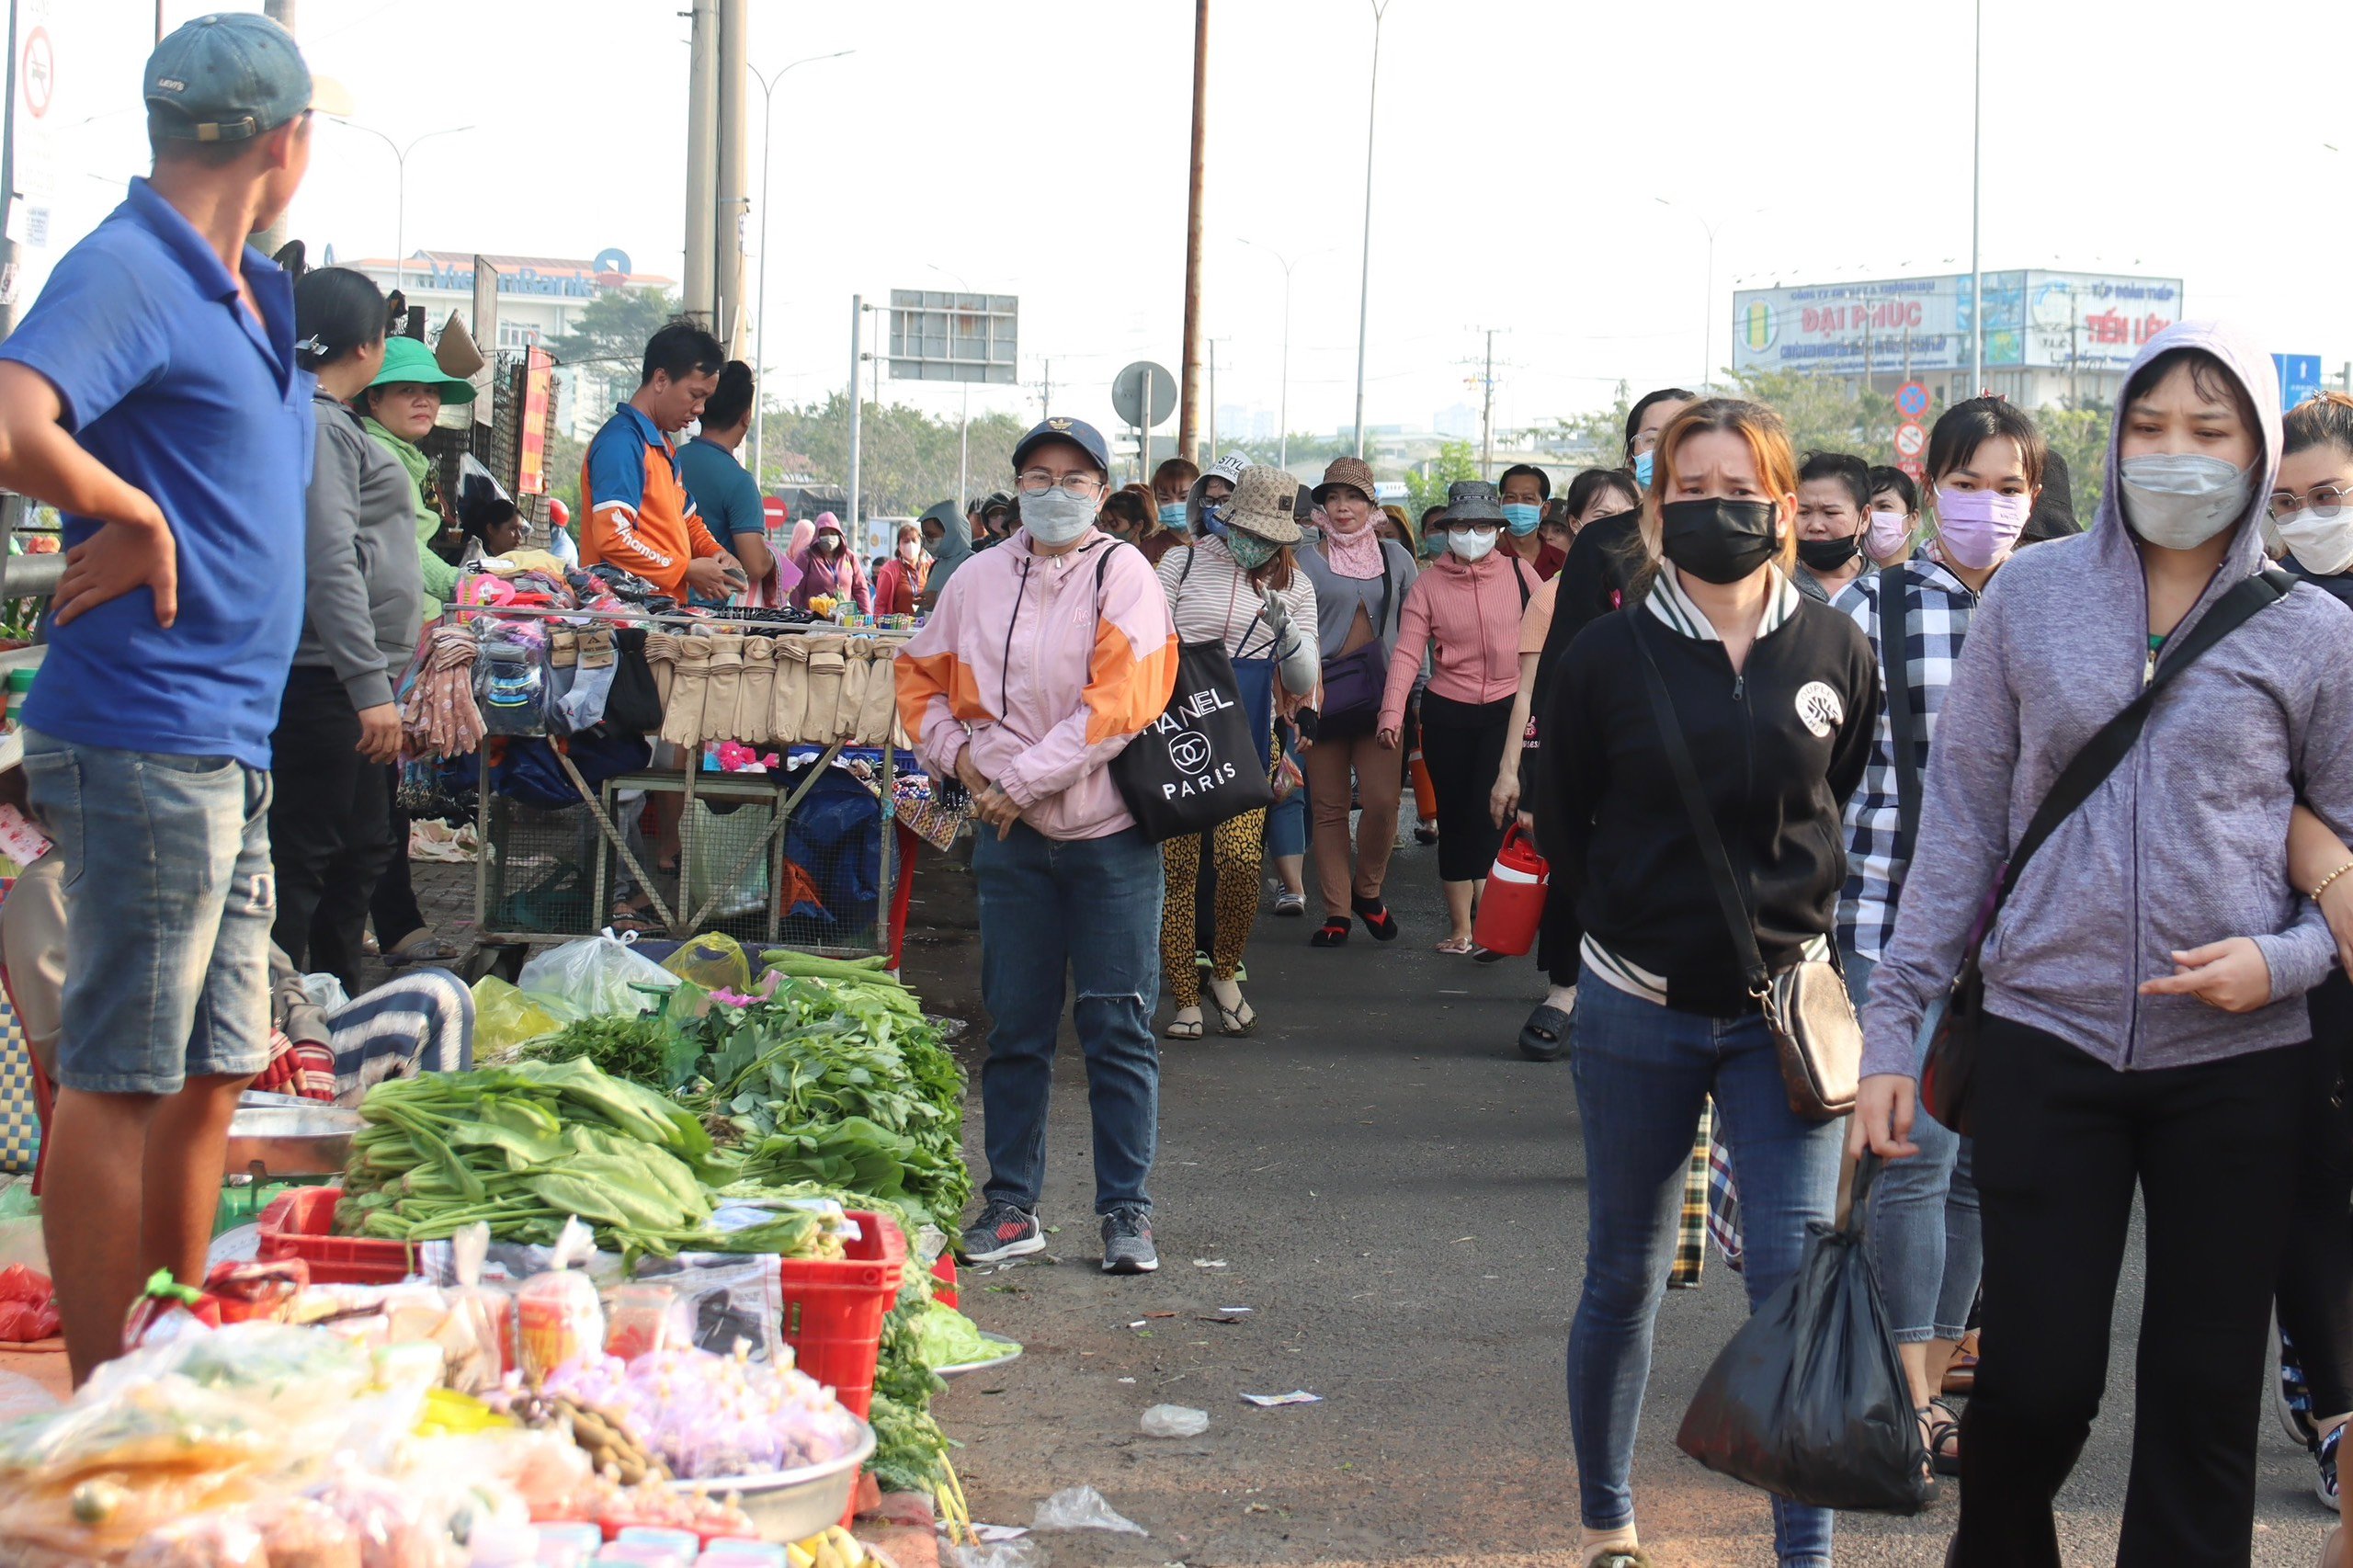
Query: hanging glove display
876, 718
690, 682
791, 690
856, 659
662, 658
726, 686
755, 699
819, 725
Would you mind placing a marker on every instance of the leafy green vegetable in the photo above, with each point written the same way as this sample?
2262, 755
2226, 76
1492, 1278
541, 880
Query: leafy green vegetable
648, 1051
946, 1337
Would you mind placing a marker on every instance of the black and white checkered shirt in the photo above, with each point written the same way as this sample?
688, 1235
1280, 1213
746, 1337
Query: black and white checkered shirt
1877, 852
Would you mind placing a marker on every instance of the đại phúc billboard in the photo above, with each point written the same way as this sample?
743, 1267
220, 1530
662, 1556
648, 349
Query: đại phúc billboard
2033, 319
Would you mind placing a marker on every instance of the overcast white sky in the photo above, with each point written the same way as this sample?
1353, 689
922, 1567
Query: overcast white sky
1038, 147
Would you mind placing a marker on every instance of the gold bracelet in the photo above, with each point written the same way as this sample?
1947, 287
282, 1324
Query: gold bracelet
2330, 877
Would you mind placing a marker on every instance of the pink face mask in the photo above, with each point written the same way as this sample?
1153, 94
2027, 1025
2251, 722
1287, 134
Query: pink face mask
1889, 532
1977, 528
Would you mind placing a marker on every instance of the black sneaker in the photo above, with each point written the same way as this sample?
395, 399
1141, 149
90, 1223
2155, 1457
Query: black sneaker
1127, 1242
1003, 1231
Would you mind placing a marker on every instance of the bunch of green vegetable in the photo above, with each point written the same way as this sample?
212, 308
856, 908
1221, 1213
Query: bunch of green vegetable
841, 1081
522, 1148
650, 1051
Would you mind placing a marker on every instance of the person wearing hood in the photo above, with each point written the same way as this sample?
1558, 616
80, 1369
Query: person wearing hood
830, 568
1361, 582
2144, 1022
1465, 615
398, 408
1241, 590
1204, 496
899, 581
1051, 653
947, 537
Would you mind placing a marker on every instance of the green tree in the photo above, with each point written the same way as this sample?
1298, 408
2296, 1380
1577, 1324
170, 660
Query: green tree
1425, 483
908, 458
610, 332
2080, 436
1824, 414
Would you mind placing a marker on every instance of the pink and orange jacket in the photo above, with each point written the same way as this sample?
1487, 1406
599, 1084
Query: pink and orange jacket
1468, 618
1045, 685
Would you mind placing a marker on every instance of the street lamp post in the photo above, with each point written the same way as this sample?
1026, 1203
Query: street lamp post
760, 329
399, 220
1976, 159
1364, 277
1282, 459
1708, 287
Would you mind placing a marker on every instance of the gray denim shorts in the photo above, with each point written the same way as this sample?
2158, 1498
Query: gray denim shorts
168, 906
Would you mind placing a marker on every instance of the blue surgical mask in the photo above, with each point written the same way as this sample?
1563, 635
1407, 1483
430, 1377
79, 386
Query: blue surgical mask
1172, 516
1643, 469
1214, 515
1521, 517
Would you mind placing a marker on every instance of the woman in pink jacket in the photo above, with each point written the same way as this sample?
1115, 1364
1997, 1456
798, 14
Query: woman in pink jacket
1465, 609
1044, 658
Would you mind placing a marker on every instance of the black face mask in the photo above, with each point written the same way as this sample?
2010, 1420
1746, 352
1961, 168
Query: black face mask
1828, 554
1717, 541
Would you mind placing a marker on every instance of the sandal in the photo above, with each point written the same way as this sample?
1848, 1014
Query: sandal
1183, 1027
1619, 1557
420, 948
1234, 1022
1332, 933
1544, 1037
1456, 945
1942, 1427
1960, 1372
1376, 917
628, 917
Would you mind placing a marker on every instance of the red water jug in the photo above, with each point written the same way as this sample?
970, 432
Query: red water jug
1513, 907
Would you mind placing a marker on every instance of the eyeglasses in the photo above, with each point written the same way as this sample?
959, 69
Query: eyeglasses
1037, 482
2323, 502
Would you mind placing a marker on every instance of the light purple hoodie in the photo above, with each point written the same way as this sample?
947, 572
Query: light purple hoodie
2185, 842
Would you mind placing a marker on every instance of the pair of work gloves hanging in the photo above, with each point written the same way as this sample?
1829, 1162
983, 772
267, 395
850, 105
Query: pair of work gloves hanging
810, 690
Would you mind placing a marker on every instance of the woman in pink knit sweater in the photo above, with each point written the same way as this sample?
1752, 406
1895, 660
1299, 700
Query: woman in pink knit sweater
1464, 613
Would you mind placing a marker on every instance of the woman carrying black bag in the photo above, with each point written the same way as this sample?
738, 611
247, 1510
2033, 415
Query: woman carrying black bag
2140, 1021
1772, 698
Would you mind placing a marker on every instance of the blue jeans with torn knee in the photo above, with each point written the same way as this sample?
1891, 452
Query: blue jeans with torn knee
1059, 913
1643, 1071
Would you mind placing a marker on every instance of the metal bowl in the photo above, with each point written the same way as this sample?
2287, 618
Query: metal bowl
1006, 1357
788, 1505
303, 1139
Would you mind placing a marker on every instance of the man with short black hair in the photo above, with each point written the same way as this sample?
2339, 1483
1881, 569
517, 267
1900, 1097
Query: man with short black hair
1833, 506
153, 395
728, 496
1524, 489
640, 517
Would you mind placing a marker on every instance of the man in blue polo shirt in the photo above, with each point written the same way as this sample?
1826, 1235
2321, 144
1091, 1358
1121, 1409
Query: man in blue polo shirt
152, 395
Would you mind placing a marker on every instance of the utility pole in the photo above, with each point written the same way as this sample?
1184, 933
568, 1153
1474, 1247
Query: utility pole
1487, 413
1976, 206
1188, 399
1364, 275
702, 165
857, 327
731, 199
1046, 394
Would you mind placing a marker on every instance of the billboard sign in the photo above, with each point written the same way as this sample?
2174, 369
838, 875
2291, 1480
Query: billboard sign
942, 335
2032, 319
2299, 378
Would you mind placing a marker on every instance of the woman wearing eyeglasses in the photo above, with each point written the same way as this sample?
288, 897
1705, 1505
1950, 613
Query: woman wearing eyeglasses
1045, 657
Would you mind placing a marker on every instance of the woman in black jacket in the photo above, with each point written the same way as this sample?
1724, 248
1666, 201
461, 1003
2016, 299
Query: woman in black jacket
1775, 698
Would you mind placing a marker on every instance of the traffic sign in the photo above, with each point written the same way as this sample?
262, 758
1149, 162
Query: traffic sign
1910, 440
1912, 399
1914, 467
1145, 388
2298, 378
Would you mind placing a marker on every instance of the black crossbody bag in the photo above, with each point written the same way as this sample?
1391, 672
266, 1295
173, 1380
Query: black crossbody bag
1952, 1069
1815, 1032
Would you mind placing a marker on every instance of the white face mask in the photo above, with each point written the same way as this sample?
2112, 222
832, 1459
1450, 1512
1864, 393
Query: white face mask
2321, 546
1471, 544
2180, 500
1056, 516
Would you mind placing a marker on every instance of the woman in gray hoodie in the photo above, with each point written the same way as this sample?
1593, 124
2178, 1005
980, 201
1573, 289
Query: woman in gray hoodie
2145, 1024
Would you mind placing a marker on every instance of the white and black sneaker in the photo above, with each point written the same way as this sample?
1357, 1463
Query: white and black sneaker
2324, 1485
1127, 1242
1003, 1231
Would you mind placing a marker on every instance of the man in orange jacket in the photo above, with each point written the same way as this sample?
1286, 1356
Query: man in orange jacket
640, 517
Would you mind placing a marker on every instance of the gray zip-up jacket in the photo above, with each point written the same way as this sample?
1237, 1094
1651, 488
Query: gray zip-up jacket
2185, 842
364, 598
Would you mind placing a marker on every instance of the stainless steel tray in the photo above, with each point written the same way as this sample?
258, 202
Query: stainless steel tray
300, 1137
792, 1505
1011, 1354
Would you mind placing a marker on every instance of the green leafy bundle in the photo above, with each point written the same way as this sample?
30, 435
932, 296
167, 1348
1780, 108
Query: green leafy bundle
650, 1051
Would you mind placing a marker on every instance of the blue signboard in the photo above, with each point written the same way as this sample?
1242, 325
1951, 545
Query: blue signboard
2298, 378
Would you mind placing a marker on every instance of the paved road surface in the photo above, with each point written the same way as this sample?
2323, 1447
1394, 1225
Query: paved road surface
1397, 1196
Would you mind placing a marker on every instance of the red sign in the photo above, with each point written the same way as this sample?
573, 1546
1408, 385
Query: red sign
39, 70
539, 379
1910, 440
775, 513
1914, 467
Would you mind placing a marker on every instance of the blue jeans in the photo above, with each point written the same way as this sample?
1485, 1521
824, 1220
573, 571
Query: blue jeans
1286, 825
168, 905
1055, 914
1926, 1240
1642, 1073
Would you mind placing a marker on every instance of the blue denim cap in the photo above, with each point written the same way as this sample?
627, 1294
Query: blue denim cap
229, 77
1087, 439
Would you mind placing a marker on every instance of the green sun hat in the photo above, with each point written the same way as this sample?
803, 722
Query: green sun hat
408, 361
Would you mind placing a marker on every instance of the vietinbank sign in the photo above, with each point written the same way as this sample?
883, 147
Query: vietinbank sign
570, 283
2035, 319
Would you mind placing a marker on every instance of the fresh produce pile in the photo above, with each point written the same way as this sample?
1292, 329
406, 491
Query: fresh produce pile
523, 1148
709, 1418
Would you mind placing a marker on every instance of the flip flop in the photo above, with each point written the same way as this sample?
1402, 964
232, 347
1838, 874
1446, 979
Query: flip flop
1377, 920
1458, 945
1183, 1027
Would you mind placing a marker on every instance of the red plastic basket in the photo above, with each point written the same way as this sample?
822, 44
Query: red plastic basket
943, 1275
833, 1311
297, 1225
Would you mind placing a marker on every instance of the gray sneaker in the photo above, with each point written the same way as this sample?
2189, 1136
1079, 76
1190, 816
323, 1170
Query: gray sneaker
1003, 1231
1127, 1242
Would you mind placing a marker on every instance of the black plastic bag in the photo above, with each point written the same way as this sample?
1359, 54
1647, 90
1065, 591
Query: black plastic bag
1809, 1401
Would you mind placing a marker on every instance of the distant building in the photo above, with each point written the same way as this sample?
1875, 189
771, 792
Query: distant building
540, 300
2048, 337
1456, 423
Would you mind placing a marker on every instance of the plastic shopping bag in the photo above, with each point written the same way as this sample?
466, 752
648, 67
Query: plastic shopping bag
1809, 1401
504, 1017
597, 978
